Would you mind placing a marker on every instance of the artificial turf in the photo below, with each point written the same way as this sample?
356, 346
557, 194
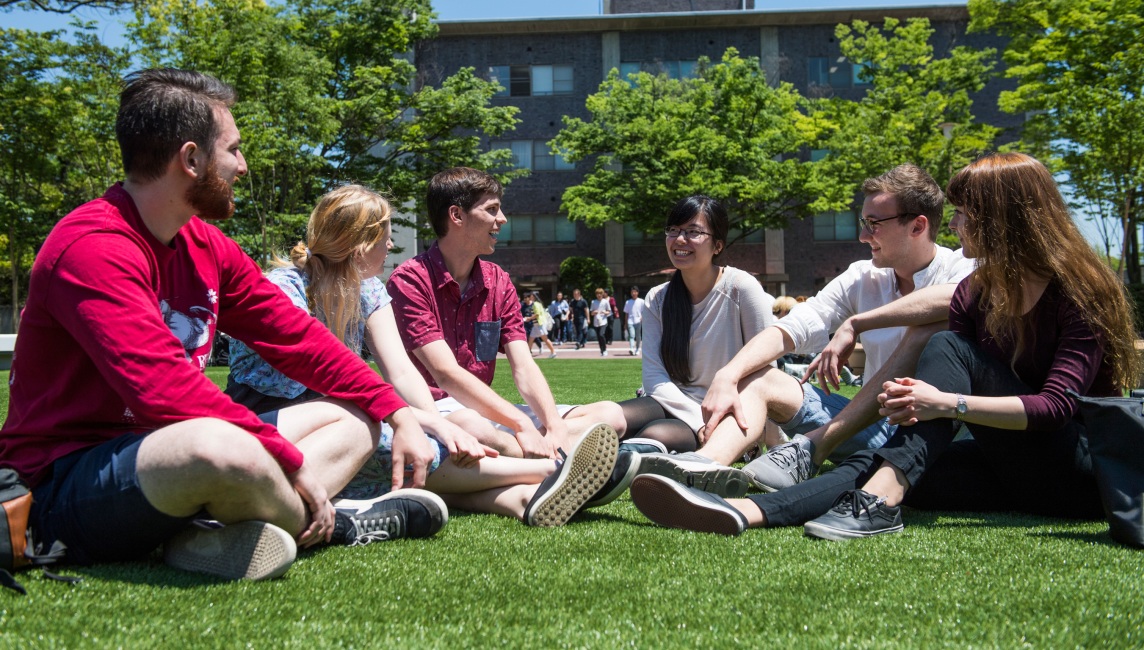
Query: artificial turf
610, 578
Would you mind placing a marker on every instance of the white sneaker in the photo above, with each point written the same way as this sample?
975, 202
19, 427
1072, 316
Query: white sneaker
250, 550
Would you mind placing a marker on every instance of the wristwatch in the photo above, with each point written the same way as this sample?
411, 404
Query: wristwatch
961, 407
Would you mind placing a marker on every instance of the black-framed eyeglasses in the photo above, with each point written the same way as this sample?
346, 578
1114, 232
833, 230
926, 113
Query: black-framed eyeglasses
871, 225
691, 234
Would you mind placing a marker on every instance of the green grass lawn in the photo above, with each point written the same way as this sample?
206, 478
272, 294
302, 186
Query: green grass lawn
610, 578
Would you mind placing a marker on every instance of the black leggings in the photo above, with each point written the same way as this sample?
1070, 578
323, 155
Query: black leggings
600, 337
647, 419
1038, 472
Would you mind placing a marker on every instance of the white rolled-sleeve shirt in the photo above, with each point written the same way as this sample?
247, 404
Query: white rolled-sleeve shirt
859, 289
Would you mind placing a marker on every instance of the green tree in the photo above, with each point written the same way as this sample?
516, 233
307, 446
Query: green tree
585, 274
917, 108
1078, 66
327, 94
725, 133
57, 147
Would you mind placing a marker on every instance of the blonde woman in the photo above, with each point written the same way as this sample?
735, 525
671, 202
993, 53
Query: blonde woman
333, 275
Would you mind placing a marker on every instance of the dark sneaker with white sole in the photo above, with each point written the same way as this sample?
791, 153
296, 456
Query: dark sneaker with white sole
627, 466
643, 446
783, 465
402, 513
250, 550
578, 479
673, 505
854, 515
694, 470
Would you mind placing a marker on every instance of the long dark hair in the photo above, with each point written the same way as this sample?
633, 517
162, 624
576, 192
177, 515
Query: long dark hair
675, 346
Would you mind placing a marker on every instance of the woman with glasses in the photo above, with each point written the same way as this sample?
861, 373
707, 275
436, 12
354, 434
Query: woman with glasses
1042, 316
693, 325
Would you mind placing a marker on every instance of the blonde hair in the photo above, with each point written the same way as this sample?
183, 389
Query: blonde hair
346, 223
1019, 223
783, 305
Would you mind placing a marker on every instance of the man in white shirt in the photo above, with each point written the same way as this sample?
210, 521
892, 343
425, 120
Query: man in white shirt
558, 310
633, 321
892, 302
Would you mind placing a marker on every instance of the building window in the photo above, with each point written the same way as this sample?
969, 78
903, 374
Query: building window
836, 226
534, 154
756, 236
633, 236
674, 69
532, 80
836, 73
818, 154
543, 229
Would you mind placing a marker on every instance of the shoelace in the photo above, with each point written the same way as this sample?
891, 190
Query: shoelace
370, 537
856, 502
792, 456
376, 529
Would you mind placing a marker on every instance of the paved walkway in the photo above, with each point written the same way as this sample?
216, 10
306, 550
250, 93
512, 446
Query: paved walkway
617, 350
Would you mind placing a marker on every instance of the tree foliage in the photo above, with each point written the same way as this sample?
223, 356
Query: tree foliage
1078, 66
585, 274
726, 133
917, 108
327, 94
57, 145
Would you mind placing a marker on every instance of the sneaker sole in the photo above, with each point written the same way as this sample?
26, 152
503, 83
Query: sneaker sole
429, 499
820, 531
251, 550
583, 473
633, 470
727, 482
660, 501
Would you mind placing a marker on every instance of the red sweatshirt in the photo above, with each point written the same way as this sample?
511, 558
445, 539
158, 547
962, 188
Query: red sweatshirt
118, 328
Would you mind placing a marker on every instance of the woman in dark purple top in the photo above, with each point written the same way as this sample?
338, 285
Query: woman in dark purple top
1041, 315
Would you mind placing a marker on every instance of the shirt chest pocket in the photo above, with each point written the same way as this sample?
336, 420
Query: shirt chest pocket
487, 340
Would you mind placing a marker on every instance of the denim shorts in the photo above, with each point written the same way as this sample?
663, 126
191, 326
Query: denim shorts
92, 503
818, 409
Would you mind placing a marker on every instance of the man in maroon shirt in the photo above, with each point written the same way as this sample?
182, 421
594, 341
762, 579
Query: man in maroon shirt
456, 311
112, 422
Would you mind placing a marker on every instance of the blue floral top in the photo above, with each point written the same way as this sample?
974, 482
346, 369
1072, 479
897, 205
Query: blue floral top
248, 368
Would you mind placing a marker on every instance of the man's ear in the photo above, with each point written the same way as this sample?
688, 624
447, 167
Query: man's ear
191, 159
920, 226
456, 214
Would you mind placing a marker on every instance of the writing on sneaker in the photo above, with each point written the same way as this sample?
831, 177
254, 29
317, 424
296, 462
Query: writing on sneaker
407, 512
586, 469
697, 471
783, 465
627, 466
251, 550
673, 505
855, 514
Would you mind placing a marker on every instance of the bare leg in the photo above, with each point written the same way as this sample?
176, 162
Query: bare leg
862, 411
489, 473
506, 501
582, 417
486, 433
890, 482
211, 464
336, 438
551, 349
769, 392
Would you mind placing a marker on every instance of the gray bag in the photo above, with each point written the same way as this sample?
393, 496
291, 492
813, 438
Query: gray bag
1115, 430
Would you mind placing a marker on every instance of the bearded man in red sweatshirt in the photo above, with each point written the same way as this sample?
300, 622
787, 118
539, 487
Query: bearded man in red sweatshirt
126, 444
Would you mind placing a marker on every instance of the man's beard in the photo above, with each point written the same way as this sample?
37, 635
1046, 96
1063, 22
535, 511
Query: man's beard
210, 195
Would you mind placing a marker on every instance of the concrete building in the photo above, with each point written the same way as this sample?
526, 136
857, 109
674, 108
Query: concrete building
549, 66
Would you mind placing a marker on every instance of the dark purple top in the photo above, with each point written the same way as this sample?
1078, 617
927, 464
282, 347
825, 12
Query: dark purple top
1061, 352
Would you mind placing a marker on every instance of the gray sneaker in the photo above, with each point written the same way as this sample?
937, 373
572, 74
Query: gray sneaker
856, 514
694, 470
643, 446
670, 504
783, 465
250, 550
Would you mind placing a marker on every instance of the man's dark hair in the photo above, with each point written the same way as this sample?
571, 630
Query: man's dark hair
161, 109
459, 186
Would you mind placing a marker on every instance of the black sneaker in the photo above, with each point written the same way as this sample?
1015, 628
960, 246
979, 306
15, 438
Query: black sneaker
402, 513
643, 446
627, 466
674, 505
577, 480
856, 514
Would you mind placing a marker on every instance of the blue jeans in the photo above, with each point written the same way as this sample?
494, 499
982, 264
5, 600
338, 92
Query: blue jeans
818, 409
635, 336
1038, 472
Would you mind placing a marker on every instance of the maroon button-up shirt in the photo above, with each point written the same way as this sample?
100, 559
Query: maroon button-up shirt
429, 307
